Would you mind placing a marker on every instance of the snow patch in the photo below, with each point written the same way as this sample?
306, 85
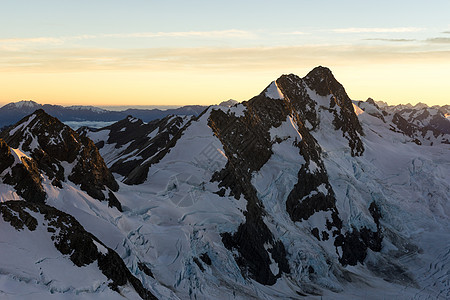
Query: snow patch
238, 110
358, 111
23, 125
18, 155
25, 104
97, 136
274, 92
87, 107
288, 129
100, 248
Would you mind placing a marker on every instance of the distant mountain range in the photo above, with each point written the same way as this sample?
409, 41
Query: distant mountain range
15, 111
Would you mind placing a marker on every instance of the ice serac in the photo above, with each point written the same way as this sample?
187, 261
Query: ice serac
62, 154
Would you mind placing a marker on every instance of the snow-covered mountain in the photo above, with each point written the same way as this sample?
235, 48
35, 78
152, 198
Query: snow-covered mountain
297, 192
44, 249
435, 118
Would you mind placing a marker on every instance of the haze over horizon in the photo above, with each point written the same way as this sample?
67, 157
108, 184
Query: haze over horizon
106, 53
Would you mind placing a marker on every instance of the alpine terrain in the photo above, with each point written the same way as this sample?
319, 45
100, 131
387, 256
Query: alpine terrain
299, 192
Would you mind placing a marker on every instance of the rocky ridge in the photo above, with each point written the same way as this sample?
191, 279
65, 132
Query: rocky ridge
130, 143
61, 154
72, 241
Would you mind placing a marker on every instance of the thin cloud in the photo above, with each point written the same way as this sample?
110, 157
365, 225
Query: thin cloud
47, 40
294, 33
232, 33
37, 40
446, 32
377, 30
439, 40
23, 43
392, 40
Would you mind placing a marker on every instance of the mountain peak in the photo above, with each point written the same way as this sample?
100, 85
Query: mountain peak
322, 80
60, 151
23, 104
228, 103
320, 70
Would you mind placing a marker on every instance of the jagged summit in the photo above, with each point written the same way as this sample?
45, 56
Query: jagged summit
322, 80
315, 96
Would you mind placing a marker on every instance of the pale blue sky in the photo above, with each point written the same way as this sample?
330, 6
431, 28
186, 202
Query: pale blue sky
265, 19
222, 37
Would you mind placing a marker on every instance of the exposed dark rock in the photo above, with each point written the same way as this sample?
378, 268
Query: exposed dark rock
403, 125
354, 245
305, 199
421, 122
139, 174
375, 212
205, 258
315, 233
142, 140
24, 176
371, 101
113, 201
17, 217
6, 158
91, 172
245, 136
143, 267
199, 264
26, 180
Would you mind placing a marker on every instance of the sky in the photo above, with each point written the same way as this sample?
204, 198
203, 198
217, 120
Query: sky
136, 52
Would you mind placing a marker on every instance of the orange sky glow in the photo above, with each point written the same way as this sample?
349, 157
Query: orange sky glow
148, 54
